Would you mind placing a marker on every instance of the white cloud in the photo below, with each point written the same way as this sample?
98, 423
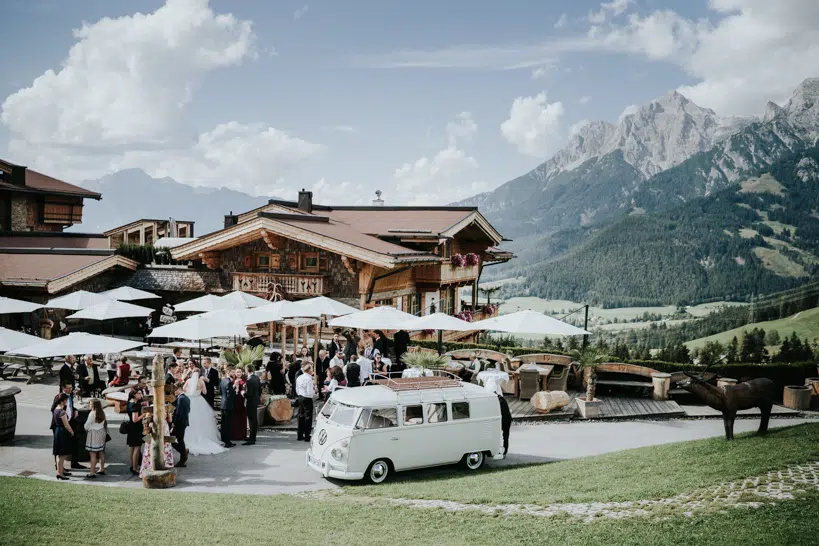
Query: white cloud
539, 73
126, 80
444, 177
301, 12
119, 101
627, 111
340, 128
584, 99
614, 8
533, 125
561, 21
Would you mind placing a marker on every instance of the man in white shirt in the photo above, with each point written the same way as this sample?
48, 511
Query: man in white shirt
305, 390
365, 366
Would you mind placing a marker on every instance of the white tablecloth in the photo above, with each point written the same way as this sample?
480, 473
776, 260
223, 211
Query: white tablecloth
493, 380
416, 372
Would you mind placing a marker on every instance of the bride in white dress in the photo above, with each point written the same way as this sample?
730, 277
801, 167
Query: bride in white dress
201, 436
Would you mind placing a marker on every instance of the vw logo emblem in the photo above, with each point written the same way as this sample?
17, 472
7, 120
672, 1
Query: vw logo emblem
322, 437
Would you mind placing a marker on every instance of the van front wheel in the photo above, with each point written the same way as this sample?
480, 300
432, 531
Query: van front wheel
474, 460
378, 471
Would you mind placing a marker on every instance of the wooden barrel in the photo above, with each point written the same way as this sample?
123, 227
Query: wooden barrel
8, 414
279, 409
797, 397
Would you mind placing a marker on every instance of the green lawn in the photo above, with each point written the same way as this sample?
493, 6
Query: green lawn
40, 512
645, 473
805, 324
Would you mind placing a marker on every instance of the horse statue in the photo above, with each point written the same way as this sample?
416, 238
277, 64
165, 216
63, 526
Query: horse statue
757, 393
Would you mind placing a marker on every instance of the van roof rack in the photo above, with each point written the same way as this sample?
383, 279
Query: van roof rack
438, 380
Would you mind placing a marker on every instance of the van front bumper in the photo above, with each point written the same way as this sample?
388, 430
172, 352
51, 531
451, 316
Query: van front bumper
330, 471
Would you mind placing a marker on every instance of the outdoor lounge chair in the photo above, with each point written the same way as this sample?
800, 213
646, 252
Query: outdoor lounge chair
529, 383
558, 379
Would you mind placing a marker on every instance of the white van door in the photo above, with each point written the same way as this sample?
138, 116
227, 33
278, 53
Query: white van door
440, 436
414, 448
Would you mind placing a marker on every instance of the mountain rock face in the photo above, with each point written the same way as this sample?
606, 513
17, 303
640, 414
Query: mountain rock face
655, 137
132, 194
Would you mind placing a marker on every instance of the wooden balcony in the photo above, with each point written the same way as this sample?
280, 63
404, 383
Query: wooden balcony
287, 285
446, 273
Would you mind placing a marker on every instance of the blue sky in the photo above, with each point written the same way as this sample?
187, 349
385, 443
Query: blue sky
349, 97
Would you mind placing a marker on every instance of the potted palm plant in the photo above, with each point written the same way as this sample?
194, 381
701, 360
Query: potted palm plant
247, 357
589, 358
425, 361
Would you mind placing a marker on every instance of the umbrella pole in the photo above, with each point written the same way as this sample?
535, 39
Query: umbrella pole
440, 342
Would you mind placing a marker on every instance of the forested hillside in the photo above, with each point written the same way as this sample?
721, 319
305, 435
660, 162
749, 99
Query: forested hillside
755, 238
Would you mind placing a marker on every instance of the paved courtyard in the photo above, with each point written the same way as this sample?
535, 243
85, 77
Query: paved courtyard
276, 463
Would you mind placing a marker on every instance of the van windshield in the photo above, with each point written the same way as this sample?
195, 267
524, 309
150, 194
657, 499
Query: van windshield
344, 415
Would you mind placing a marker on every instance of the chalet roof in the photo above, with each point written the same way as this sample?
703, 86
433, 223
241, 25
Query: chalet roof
173, 279
33, 239
54, 270
36, 182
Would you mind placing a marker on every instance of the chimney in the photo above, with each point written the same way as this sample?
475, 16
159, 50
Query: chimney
378, 202
231, 219
306, 200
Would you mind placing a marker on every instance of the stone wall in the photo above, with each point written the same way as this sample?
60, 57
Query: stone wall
342, 285
19, 212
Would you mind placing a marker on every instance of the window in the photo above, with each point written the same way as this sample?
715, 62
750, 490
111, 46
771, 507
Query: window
55, 211
309, 262
344, 415
436, 413
413, 415
372, 418
263, 260
460, 410
266, 260
328, 408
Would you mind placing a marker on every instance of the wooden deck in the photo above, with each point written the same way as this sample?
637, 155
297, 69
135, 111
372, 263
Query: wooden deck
614, 407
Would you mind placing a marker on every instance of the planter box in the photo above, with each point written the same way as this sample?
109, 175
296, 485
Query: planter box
588, 409
797, 397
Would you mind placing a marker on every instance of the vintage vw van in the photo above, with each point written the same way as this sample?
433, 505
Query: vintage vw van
399, 424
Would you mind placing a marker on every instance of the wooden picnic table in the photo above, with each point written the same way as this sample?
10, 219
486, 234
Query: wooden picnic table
543, 369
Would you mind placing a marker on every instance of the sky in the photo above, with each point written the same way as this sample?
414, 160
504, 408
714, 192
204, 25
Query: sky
429, 102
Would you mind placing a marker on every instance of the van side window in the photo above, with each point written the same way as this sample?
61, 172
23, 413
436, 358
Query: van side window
377, 418
460, 410
436, 413
413, 415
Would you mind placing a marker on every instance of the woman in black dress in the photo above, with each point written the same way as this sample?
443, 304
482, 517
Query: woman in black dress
134, 436
63, 434
275, 374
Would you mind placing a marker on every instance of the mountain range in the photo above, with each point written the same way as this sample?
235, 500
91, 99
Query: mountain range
669, 157
131, 194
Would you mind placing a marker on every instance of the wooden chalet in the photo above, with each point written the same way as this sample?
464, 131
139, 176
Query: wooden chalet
415, 258
148, 231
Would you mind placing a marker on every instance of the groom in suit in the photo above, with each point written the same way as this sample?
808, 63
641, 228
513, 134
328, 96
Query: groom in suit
180, 422
253, 395
227, 406
211, 377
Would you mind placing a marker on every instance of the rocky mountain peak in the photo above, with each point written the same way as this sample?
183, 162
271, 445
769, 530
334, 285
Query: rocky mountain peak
802, 110
772, 110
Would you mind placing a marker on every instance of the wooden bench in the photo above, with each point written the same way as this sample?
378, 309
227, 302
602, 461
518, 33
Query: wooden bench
30, 365
625, 369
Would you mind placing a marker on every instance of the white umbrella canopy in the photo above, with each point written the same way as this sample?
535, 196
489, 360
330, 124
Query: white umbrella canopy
382, 318
112, 310
196, 328
77, 343
77, 300
209, 302
10, 305
245, 300
439, 321
272, 312
126, 293
529, 322
242, 317
10, 339
318, 307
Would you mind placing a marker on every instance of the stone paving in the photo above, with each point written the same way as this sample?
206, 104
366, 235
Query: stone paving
751, 492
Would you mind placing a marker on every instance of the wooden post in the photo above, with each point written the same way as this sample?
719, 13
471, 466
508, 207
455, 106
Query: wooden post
158, 477
284, 342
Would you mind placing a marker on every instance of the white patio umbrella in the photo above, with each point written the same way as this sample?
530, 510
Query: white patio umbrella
11, 339
112, 309
10, 305
382, 318
272, 312
318, 307
247, 301
440, 322
197, 329
126, 293
208, 302
77, 343
529, 322
77, 300
242, 317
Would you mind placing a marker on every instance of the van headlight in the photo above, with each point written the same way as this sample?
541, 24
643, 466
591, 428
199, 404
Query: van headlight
337, 454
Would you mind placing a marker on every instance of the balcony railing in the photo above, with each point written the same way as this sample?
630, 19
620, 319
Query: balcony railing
446, 273
286, 285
